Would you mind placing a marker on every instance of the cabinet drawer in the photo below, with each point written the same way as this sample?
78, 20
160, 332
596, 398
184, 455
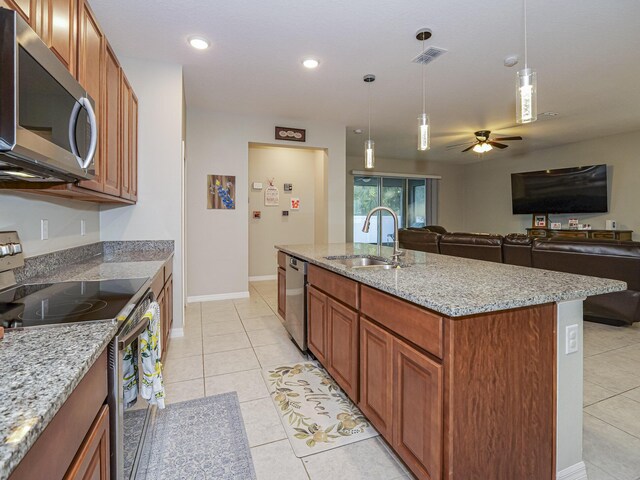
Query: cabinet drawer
335, 285
417, 325
282, 259
609, 235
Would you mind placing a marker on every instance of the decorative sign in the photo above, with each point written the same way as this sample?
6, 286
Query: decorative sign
256, 185
573, 223
556, 226
295, 204
291, 134
288, 187
271, 195
221, 192
257, 214
540, 221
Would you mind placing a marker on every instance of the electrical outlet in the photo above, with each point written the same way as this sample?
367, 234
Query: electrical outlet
83, 227
571, 339
44, 229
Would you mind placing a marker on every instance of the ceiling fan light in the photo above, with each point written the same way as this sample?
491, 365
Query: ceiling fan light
482, 148
424, 133
526, 98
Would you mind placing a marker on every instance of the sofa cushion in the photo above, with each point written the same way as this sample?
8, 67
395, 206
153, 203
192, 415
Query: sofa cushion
516, 249
419, 239
479, 246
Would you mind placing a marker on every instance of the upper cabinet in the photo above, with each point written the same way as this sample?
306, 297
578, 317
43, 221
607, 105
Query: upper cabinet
72, 32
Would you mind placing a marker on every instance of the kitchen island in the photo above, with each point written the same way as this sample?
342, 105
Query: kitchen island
460, 364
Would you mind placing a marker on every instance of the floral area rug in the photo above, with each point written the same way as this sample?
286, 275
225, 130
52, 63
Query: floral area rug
316, 414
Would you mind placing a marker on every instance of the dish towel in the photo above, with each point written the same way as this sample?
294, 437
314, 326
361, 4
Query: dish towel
152, 388
130, 375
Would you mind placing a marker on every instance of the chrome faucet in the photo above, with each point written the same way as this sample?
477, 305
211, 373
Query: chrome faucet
396, 244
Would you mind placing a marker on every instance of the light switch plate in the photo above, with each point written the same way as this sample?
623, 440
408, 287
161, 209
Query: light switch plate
571, 339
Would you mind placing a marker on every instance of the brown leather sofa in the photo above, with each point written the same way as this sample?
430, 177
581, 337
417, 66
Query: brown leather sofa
599, 258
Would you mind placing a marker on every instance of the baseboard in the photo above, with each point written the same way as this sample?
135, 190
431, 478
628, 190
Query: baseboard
574, 472
263, 278
176, 332
217, 296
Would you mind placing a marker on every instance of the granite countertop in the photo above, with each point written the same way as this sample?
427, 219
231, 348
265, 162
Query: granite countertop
40, 367
455, 286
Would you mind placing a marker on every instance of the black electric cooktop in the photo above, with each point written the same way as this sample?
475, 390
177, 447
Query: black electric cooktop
66, 302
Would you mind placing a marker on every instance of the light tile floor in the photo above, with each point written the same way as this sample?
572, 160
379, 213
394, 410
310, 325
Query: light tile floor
226, 344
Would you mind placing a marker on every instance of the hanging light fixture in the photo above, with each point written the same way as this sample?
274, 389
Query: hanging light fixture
424, 130
526, 101
482, 148
369, 145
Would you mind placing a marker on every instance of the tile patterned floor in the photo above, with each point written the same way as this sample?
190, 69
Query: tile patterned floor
226, 343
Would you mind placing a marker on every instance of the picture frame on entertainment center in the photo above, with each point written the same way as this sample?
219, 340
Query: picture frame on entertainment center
541, 221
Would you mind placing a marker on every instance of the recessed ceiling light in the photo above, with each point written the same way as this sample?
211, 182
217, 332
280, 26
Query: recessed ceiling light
199, 43
311, 63
358, 131
550, 114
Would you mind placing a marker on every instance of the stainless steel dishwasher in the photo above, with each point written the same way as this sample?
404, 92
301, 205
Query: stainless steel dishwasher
296, 302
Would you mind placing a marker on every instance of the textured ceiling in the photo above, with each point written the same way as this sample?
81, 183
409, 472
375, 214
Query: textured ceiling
586, 53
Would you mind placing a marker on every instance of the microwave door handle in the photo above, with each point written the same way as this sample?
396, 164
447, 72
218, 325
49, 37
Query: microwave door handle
86, 103
73, 120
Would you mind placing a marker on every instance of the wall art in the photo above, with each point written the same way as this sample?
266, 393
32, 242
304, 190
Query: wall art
295, 204
221, 192
291, 134
271, 195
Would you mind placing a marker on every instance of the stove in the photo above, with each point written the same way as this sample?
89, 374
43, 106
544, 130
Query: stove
67, 302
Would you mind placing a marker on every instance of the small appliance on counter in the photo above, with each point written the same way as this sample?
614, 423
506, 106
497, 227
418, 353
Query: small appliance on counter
62, 303
296, 302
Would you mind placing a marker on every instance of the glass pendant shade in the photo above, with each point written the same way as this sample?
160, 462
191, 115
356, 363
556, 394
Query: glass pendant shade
369, 154
526, 101
424, 133
482, 148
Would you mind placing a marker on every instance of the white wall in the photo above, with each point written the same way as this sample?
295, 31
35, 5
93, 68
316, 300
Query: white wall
451, 193
158, 213
488, 184
283, 165
23, 211
217, 240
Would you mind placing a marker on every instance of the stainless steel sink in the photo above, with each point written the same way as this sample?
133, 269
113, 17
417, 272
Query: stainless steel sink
362, 261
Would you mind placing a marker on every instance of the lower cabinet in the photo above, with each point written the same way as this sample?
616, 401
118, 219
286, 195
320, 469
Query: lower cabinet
282, 292
333, 338
401, 394
162, 288
92, 461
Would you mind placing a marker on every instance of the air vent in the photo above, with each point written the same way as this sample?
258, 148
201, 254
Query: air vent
429, 55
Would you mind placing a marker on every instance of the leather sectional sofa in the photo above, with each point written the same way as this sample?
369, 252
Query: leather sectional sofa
600, 258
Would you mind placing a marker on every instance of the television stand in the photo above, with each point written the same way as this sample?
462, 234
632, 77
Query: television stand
540, 232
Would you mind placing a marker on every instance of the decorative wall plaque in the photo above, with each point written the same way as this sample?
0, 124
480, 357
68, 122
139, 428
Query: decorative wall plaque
271, 195
291, 134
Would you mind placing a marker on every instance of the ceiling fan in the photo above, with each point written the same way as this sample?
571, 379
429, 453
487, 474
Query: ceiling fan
484, 144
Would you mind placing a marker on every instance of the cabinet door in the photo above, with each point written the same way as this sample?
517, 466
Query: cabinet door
92, 460
111, 122
91, 52
58, 29
161, 299
376, 376
26, 8
417, 421
343, 347
317, 324
133, 138
282, 291
168, 296
125, 139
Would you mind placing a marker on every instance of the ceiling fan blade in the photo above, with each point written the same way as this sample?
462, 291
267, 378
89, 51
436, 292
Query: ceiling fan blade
468, 148
460, 144
498, 145
503, 139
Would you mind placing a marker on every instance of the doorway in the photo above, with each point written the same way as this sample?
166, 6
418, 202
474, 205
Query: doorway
304, 171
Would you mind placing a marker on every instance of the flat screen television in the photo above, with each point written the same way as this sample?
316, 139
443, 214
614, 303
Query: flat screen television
564, 190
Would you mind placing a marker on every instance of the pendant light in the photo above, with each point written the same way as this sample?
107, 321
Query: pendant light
424, 130
369, 145
526, 94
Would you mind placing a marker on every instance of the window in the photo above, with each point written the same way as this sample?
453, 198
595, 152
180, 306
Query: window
413, 199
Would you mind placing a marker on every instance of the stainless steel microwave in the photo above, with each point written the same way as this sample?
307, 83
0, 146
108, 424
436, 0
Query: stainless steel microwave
48, 126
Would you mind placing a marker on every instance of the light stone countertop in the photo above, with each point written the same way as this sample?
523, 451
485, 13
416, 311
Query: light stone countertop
40, 367
455, 286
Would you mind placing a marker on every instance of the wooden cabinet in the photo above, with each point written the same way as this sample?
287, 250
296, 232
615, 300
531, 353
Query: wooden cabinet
91, 51
539, 232
162, 288
111, 125
417, 404
343, 346
133, 148
58, 29
26, 8
125, 139
317, 324
168, 311
282, 292
376, 377
92, 460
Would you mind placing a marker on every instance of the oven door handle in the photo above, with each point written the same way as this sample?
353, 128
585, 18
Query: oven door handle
133, 334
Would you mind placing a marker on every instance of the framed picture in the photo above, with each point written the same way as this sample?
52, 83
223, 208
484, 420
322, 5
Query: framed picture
295, 204
291, 134
271, 196
541, 221
221, 192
